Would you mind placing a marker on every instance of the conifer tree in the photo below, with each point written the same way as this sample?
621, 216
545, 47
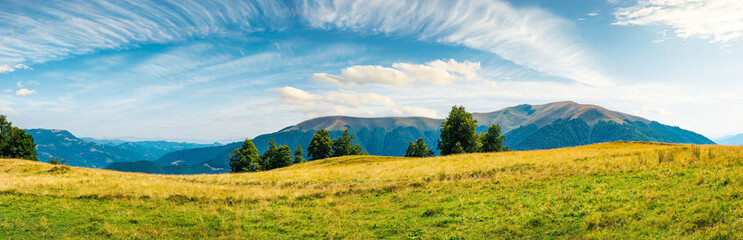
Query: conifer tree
320, 146
458, 132
298, 158
492, 141
419, 149
245, 158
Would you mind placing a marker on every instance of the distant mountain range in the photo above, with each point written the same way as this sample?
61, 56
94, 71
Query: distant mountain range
731, 140
527, 127
94, 153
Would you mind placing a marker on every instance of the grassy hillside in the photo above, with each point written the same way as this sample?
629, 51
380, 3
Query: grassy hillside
611, 190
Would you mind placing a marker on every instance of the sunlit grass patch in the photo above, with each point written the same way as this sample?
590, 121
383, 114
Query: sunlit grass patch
611, 190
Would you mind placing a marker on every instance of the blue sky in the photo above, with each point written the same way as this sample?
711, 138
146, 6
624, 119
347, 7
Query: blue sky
226, 70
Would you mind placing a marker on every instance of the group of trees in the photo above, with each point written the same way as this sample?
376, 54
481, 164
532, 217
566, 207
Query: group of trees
458, 135
247, 159
15, 143
322, 147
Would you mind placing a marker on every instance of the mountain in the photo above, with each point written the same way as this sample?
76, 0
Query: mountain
88, 152
527, 127
153, 150
731, 140
77, 152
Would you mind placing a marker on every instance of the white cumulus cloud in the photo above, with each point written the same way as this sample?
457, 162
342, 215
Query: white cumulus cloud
346, 103
8, 69
24, 92
438, 72
719, 21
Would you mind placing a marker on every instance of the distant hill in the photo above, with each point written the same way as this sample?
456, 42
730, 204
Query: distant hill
527, 127
87, 152
731, 140
77, 152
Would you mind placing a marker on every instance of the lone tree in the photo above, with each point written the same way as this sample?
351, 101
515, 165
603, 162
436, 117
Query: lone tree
419, 149
245, 158
320, 146
492, 141
16, 143
298, 158
343, 146
458, 133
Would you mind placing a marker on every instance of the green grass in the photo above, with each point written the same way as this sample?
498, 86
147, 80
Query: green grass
617, 190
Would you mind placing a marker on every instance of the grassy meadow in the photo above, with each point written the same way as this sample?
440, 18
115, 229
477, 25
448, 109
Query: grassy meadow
611, 190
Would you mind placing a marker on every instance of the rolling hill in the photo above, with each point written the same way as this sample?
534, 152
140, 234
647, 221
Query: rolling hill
527, 127
601, 191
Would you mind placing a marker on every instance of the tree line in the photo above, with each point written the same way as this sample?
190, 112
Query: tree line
247, 159
457, 136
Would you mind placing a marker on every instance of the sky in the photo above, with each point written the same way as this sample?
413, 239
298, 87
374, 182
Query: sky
226, 70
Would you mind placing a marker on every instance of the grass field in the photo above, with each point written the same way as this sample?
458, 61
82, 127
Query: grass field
612, 190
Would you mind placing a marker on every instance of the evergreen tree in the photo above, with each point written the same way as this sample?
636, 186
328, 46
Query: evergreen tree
298, 158
16, 143
458, 132
419, 149
320, 146
282, 157
268, 155
245, 158
492, 141
343, 146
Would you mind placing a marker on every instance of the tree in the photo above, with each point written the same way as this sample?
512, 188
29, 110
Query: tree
342, 146
16, 143
492, 141
245, 158
57, 161
458, 132
268, 155
419, 149
320, 146
282, 157
298, 158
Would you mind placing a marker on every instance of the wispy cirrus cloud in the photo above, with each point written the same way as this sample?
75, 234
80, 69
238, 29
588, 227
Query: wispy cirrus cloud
530, 37
719, 21
56, 30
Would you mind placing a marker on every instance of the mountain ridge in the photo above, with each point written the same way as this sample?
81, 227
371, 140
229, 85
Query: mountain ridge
527, 127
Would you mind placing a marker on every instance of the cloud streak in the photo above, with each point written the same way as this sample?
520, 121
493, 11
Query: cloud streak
60, 29
529, 37
719, 21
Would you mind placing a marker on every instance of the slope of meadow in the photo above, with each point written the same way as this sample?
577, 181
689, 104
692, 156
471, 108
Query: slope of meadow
612, 190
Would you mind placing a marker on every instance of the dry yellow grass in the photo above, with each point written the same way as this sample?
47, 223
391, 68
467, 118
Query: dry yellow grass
360, 172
